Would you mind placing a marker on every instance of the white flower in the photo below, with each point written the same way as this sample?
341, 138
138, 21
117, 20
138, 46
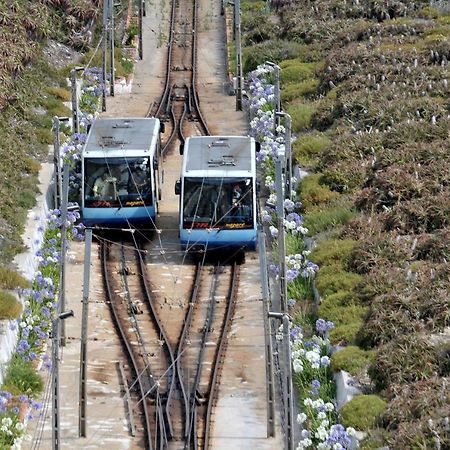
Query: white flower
321, 433
329, 406
301, 418
297, 366
321, 415
351, 431
308, 402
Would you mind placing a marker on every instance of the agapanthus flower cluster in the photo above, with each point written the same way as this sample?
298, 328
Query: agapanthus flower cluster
318, 413
11, 427
293, 223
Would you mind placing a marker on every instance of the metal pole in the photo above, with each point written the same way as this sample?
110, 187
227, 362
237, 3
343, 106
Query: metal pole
104, 46
84, 328
268, 333
237, 37
288, 152
57, 162
141, 13
75, 119
276, 68
287, 384
55, 381
62, 278
111, 46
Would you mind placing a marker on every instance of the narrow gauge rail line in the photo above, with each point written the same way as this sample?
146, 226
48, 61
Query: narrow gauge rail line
204, 339
179, 99
150, 357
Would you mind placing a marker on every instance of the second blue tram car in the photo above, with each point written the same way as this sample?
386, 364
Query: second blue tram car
218, 193
120, 173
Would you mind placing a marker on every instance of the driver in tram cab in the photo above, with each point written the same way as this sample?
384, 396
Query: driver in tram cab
236, 198
137, 181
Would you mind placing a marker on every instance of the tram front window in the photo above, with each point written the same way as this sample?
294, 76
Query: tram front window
217, 203
117, 182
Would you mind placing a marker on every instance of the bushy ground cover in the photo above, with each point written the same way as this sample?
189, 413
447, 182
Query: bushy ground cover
371, 116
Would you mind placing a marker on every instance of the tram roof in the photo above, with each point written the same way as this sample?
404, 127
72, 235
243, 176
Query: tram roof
107, 135
219, 153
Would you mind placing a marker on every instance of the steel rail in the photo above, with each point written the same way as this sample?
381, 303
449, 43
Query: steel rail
128, 350
220, 353
164, 339
182, 342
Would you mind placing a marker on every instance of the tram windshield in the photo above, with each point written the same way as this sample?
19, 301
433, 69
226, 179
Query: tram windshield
218, 203
117, 182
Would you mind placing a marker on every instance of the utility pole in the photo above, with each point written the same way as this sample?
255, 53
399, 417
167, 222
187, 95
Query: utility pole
84, 332
111, 46
288, 152
141, 13
237, 38
57, 160
287, 372
75, 112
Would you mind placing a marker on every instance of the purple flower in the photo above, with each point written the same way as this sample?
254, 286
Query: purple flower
291, 275
295, 331
323, 326
291, 302
315, 386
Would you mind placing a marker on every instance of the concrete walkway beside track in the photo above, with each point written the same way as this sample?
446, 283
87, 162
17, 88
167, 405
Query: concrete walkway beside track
239, 419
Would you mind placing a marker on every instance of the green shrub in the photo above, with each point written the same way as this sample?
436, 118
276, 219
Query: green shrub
332, 251
352, 359
21, 378
308, 147
322, 218
301, 115
60, 93
345, 334
10, 279
341, 315
304, 89
274, 50
10, 307
294, 71
362, 412
331, 279
312, 192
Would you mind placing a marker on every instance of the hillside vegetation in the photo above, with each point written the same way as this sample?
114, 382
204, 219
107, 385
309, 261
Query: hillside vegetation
32, 89
367, 85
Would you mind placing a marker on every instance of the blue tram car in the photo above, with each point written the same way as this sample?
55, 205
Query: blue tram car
218, 193
120, 173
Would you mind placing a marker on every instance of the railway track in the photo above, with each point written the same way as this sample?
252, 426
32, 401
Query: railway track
179, 105
149, 355
174, 390
174, 367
